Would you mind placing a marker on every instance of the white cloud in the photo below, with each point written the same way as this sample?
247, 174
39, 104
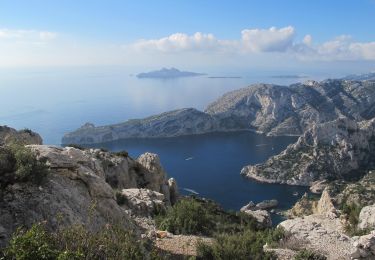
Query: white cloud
340, 48
307, 40
183, 42
268, 40
26, 35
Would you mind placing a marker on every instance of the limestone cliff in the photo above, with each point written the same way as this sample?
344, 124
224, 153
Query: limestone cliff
25, 136
83, 187
334, 150
265, 108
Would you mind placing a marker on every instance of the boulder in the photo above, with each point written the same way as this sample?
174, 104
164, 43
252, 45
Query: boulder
248, 206
367, 217
143, 202
325, 205
267, 204
364, 247
263, 217
317, 187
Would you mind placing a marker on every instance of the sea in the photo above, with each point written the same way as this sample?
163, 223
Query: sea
53, 101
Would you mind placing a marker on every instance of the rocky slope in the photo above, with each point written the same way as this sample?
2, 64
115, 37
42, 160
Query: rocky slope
269, 109
187, 121
26, 136
90, 187
334, 150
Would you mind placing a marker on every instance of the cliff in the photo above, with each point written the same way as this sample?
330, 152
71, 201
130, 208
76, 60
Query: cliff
89, 187
265, 108
339, 149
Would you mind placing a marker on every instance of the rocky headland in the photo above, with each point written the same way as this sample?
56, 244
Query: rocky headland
264, 108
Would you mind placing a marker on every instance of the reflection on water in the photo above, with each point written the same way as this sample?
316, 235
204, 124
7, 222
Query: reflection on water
214, 171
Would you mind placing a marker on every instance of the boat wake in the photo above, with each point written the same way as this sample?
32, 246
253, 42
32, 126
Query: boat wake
191, 191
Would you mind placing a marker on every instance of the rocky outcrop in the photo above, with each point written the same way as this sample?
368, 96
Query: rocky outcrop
267, 204
265, 108
143, 202
80, 189
318, 187
9, 135
364, 247
187, 121
332, 150
321, 234
263, 217
367, 218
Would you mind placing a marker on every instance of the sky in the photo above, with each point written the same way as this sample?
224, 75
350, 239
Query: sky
267, 34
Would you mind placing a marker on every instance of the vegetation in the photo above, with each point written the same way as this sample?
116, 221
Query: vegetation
236, 235
309, 255
75, 242
202, 217
122, 154
19, 163
121, 199
351, 211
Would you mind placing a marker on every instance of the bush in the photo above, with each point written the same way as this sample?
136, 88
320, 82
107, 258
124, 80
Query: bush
187, 216
122, 154
28, 167
75, 242
352, 215
199, 216
19, 163
121, 199
309, 255
7, 165
34, 243
243, 245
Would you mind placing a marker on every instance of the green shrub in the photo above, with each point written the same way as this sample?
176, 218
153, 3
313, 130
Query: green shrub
121, 199
28, 167
19, 163
187, 216
309, 255
352, 215
34, 243
75, 242
122, 154
244, 245
192, 215
7, 166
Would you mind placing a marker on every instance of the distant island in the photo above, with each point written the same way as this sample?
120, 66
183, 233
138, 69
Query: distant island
165, 73
290, 76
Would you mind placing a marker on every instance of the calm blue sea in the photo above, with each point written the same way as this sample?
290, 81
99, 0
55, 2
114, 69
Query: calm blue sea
54, 101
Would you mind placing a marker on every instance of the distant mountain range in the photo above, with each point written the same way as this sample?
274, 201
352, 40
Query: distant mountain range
165, 73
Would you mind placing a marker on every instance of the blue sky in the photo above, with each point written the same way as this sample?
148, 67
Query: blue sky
40, 33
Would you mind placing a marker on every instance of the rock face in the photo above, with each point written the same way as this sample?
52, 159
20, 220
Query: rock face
330, 150
80, 189
364, 247
267, 204
263, 217
26, 136
143, 202
269, 109
187, 121
367, 217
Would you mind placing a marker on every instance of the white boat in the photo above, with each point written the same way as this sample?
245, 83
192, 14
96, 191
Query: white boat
189, 158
